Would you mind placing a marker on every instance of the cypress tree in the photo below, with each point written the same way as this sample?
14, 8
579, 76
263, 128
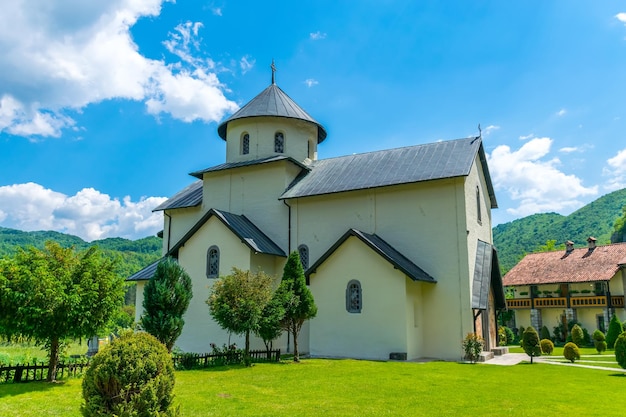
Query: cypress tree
615, 329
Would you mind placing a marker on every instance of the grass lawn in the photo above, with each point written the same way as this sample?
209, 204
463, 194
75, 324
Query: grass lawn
15, 353
359, 388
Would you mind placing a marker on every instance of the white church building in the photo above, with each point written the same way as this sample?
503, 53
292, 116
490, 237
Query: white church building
396, 244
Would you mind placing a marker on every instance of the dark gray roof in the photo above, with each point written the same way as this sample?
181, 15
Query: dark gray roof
189, 196
230, 165
272, 102
487, 275
243, 228
146, 273
439, 160
381, 247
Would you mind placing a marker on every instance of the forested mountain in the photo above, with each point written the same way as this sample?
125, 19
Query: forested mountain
517, 238
133, 254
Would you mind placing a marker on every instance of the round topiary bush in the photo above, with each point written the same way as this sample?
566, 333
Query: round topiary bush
546, 346
571, 352
578, 337
530, 342
133, 376
620, 350
599, 341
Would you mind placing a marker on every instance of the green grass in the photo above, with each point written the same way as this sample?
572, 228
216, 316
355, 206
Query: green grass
359, 388
558, 351
15, 353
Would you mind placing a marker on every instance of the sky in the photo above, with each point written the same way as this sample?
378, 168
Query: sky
105, 107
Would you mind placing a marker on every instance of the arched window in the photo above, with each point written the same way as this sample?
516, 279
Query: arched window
479, 216
279, 142
354, 297
245, 144
213, 262
303, 250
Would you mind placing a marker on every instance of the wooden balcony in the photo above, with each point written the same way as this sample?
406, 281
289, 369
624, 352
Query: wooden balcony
617, 301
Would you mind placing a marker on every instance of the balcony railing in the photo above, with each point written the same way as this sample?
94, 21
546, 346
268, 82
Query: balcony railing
561, 302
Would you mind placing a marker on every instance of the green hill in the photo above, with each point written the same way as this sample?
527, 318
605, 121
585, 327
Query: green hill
517, 238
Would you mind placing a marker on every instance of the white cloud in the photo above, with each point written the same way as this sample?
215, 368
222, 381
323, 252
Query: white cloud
217, 11
317, 35
489, 129
569, 149
536, 184
88, 214
60, 56
561, 112
616, 171
621, 17
246, 63
526, 137
310, 82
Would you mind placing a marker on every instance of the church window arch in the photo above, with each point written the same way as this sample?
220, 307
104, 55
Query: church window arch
303, 250
354, 297
279, 142
245, 143
213, 262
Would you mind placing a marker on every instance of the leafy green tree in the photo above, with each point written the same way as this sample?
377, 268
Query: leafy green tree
545, 333
619, 228
166, 297
271, 318
299, 304
530, 343
620, 350
237, 302
615, 329
55, 295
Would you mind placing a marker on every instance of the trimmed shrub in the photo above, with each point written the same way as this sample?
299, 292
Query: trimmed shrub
472, 346
530, 342
133, 376
521, 335
599, 341
510, 336
620, 350
571, 352
544, 333
615, 329
546, 346
502, 339
578, 336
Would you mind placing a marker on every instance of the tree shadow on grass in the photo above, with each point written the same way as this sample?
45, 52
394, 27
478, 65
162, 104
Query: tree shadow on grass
620, 375
15, 389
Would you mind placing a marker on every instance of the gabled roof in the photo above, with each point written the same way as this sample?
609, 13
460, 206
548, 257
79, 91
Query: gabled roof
487, 276
384, 249
579, 265
272, 102
439, 160
231, 165
189, 196
243, 228
146, 273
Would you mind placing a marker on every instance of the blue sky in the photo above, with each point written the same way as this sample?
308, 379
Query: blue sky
105, 107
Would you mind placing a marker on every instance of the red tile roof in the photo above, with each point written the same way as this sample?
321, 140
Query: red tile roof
579, 265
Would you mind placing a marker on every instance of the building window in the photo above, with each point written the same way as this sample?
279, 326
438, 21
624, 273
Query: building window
213, 262
245, 144
354, 297
479, 215
303, 250
279, 142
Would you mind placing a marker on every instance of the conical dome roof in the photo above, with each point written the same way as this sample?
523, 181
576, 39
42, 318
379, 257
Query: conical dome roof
272, 102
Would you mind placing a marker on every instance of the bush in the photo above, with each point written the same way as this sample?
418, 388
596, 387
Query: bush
472, 346
620, 350
599, 341
510, 336
133, 376
544, 333
530, 342
502, 339
521, 334
546, 346
578, 336
571, 352
615, 329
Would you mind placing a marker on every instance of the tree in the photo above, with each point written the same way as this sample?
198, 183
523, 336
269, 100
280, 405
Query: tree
578, 336
571, 352
237, 302
57, 294
166, 297
619, 228
530, 343
615, 329
299, 304
620, 350
271, 318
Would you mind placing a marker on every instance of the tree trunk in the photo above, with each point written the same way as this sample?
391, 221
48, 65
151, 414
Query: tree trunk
296, 354
54, 359
247, 349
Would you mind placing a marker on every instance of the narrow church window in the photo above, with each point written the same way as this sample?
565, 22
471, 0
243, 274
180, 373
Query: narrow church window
354, 300
279, 142
213, 262
303, 250
245, 144
478, 212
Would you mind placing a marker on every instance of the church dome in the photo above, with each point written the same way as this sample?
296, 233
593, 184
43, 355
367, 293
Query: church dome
272, 102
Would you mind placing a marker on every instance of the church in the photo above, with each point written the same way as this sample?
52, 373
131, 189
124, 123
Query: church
396, 244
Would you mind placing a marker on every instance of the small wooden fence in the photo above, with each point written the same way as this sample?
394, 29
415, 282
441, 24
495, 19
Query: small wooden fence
197, 360
39, 372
